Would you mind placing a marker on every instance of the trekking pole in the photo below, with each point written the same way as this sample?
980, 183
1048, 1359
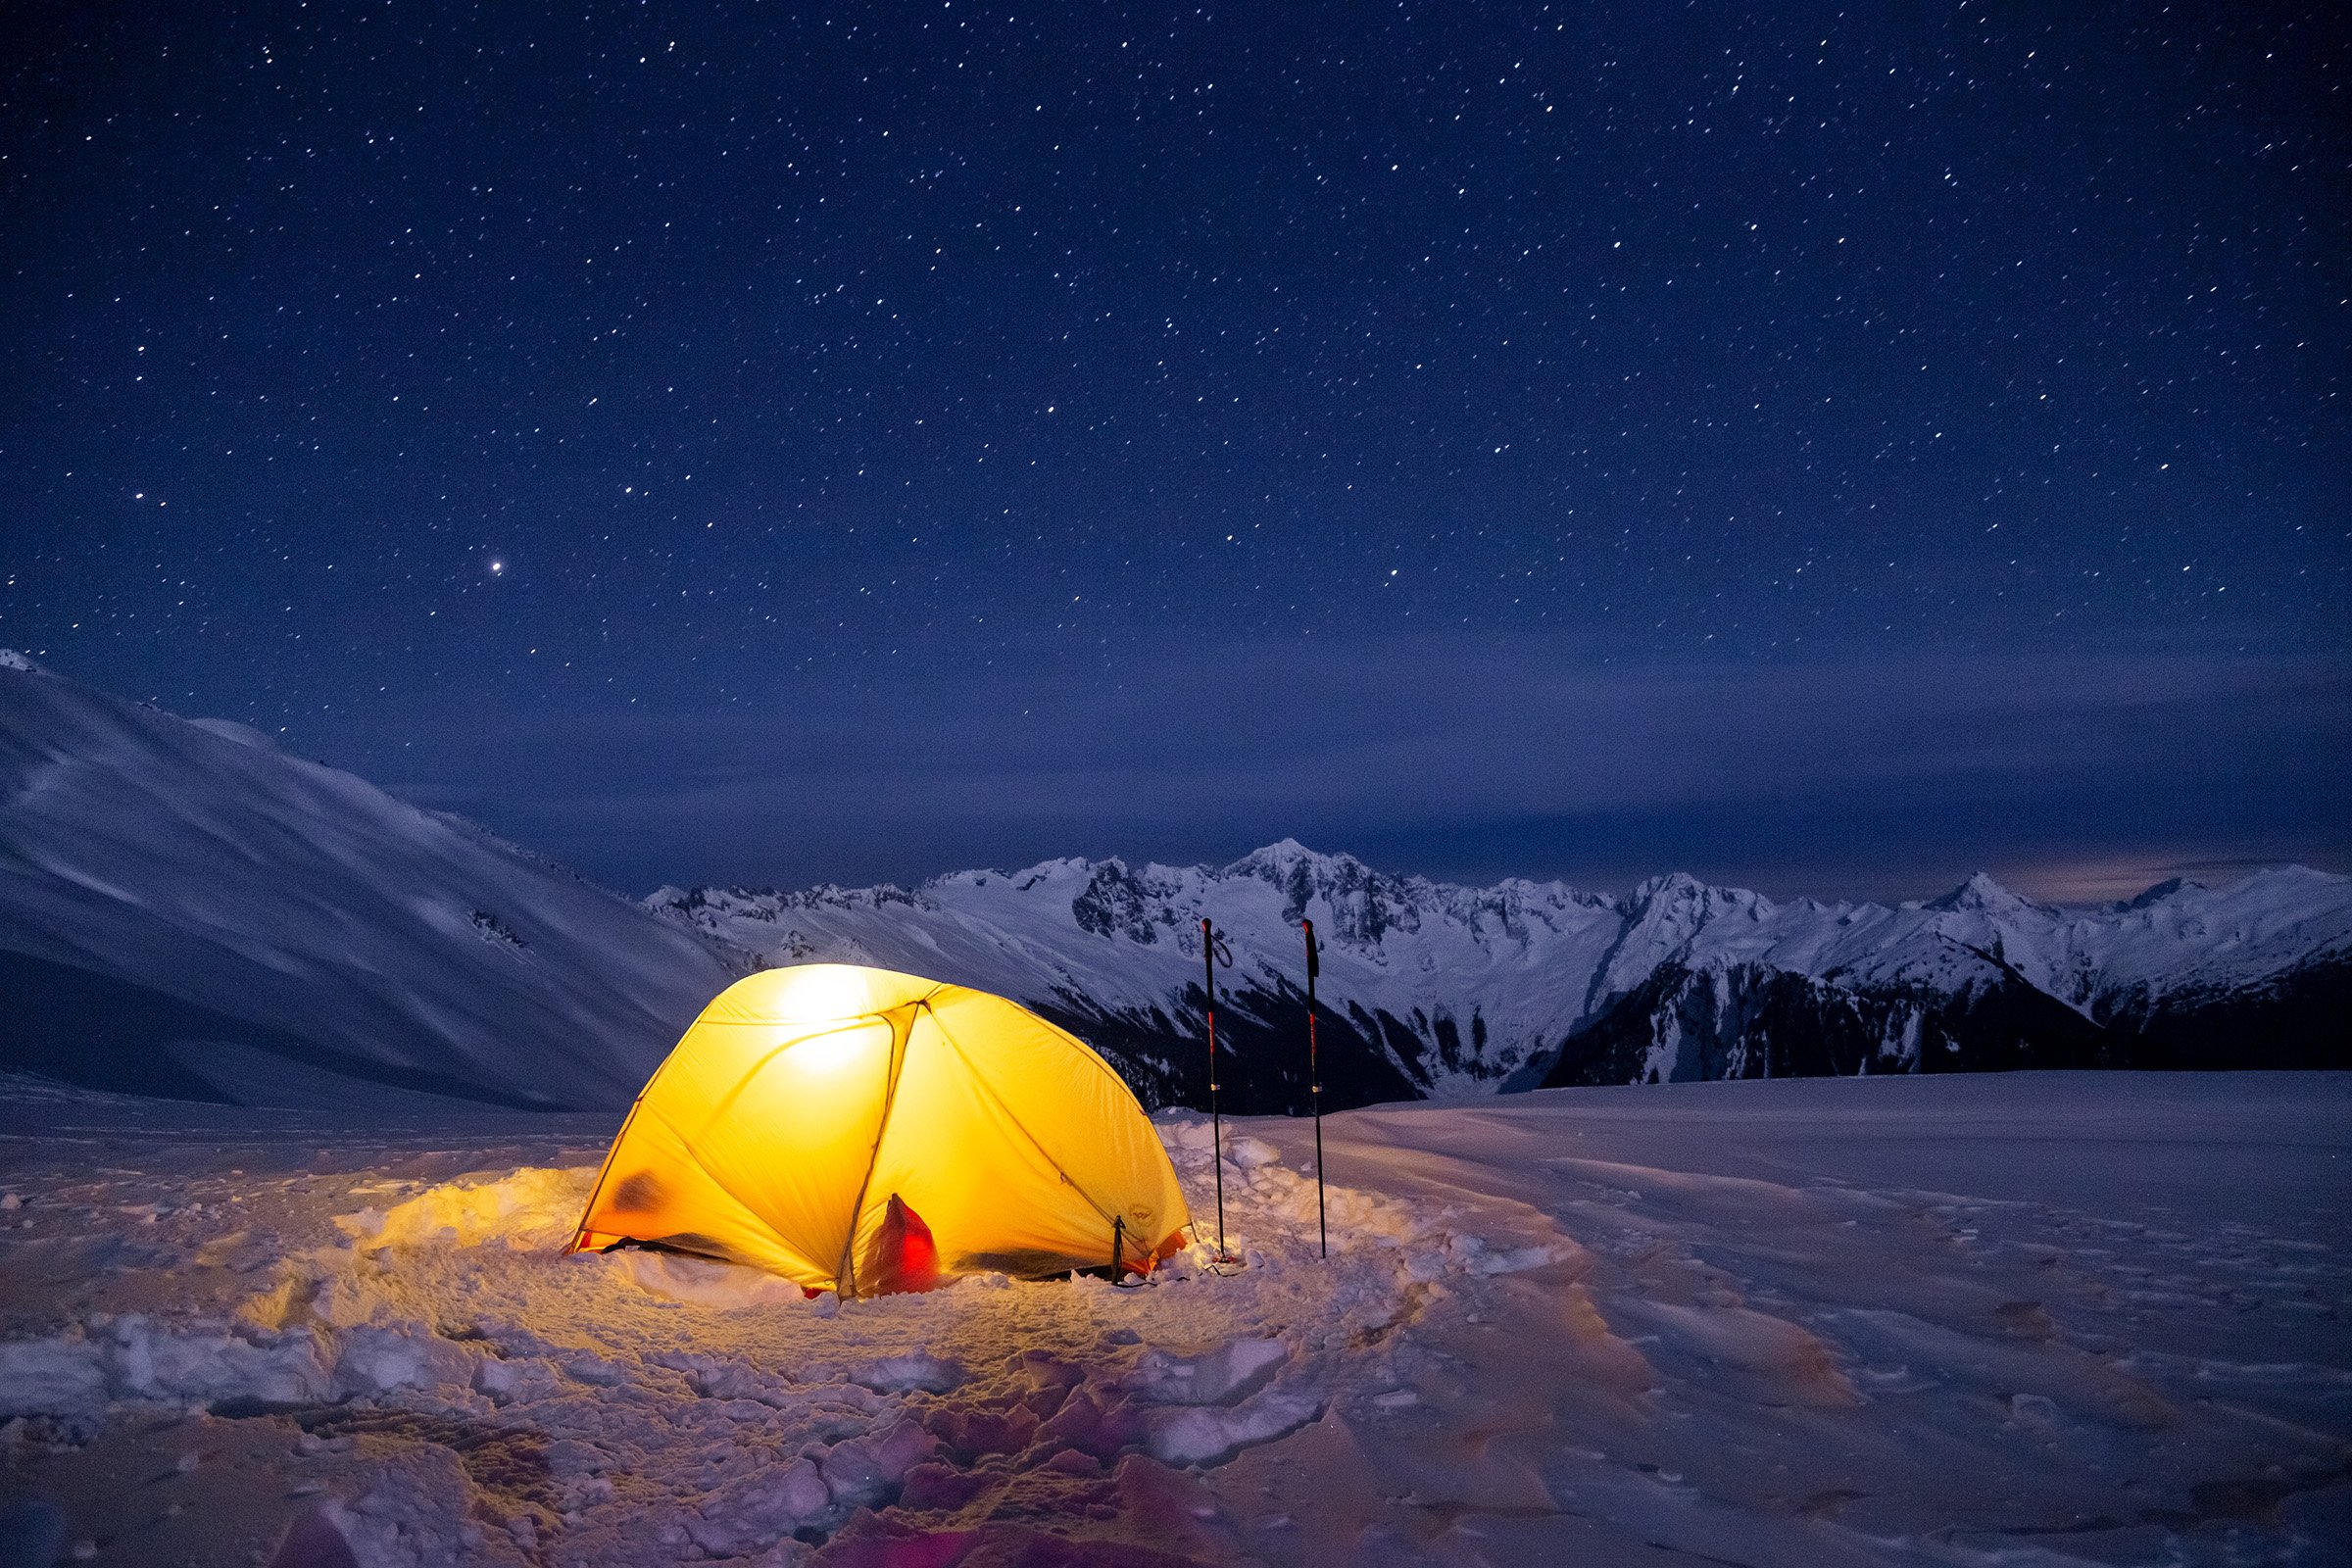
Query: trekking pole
1314, 1085
1213, 949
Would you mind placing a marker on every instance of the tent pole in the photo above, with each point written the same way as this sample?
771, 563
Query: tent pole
1314, 1087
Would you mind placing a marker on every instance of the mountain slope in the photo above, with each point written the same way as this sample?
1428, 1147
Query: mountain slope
185, 910
177, 897
1439, 990
1426, 988
2181, 976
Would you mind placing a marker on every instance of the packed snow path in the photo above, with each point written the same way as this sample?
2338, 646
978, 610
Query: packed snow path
2023, 1319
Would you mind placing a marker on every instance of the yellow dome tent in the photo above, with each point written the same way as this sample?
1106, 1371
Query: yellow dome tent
866, 1130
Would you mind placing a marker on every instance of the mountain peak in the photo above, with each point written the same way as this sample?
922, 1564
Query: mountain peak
2170, 887
1287, 858
1286, 846
1981, 891
1283, 853
9, 658
1672, 885
1681, 887
2293, 874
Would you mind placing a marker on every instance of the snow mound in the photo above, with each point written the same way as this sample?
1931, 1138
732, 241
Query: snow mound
526, 1209
1206, 1436
1251, 1153
135, 1359
896, 1374
79, 1373
1223, 1376
702, 1282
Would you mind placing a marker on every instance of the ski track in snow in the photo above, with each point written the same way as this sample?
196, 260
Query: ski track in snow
2034, 1319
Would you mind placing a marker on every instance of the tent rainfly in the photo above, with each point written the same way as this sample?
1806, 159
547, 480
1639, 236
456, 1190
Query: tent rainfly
863, 1131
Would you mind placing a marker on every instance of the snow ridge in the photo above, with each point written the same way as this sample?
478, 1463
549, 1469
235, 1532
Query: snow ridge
1455, 988
179, 900
186, 909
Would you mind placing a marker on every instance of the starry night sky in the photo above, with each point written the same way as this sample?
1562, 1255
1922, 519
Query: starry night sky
1827, 447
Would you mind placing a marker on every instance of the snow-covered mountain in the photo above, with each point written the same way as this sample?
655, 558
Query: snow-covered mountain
1430, 989
185, 910
1426, 989
2248, 975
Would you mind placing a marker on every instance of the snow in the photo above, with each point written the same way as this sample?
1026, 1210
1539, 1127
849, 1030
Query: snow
229, 729
2048, 1319
1530, 963
532, 1209
1126, 939
185, 907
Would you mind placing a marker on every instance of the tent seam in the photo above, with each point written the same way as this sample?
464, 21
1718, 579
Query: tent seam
980, 1082
744, 1081
846, 1263
1104, 1068
604, 1171
1101, 1066
716, 1180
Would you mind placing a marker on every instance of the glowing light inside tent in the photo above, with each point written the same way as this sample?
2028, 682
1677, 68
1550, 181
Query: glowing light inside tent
832, 1051
829, 991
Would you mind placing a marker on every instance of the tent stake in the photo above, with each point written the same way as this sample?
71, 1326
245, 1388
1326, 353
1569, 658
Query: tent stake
1314, 1086
1212, 948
